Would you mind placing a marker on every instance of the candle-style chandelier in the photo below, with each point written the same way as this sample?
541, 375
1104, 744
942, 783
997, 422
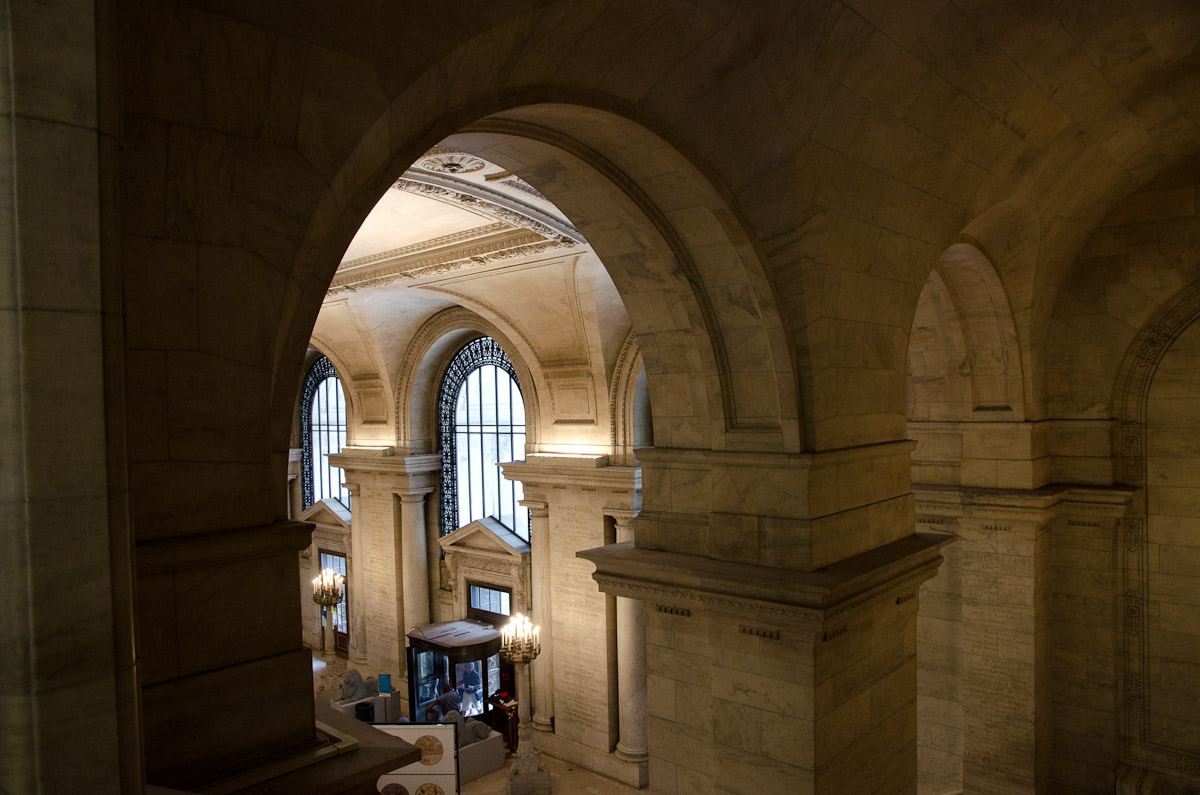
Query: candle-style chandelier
327, 588
519, 641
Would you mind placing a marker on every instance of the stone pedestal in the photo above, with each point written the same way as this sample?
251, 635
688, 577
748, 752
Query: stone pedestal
329, 633
527, 776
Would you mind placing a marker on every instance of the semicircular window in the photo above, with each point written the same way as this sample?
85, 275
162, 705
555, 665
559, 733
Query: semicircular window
322, 433
482, 420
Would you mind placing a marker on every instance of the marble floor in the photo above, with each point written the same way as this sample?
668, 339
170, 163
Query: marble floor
567, 780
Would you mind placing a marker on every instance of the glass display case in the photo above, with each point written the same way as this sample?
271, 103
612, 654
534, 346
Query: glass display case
452, 665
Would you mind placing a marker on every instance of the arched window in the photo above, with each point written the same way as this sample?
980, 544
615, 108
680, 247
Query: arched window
482, 419
322, 432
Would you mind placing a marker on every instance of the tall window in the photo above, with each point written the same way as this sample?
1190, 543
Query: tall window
482, 418
322, 432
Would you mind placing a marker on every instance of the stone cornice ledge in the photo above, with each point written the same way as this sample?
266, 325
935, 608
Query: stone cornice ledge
222, 546
541, 470
815, 460
809, 597
387, 463
940, 500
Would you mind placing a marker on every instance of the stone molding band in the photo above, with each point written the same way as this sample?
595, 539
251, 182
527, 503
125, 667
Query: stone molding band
696, 581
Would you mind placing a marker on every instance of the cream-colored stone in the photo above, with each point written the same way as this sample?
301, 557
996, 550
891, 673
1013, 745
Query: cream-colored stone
793, 203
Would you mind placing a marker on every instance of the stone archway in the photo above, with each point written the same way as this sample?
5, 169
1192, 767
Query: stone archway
1158, 551
699, 298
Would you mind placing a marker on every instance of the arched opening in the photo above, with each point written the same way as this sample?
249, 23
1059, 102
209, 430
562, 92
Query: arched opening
481, 415
323, 411
516, 293
965, 399
1157, 559
643, 417
685, 270
965, 377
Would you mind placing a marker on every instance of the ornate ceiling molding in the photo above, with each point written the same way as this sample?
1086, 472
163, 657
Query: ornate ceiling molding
451, 163
425, 245
519, 229
506, 245
498, 205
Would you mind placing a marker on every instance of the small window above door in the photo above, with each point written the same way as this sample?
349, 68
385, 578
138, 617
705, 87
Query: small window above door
490, 604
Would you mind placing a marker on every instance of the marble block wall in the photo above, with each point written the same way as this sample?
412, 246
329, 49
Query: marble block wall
379, 606
939, 671
69, 694
995, 641
749, 705
580, 494
865, 697
220, 617
585, 698
1173, 552
1084, 657
682, 710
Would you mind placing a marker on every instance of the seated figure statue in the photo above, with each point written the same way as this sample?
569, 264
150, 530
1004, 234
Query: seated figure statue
355, 688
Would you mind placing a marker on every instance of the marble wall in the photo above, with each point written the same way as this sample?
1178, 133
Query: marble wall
579, 495
70, 689
770, 186
1173, 548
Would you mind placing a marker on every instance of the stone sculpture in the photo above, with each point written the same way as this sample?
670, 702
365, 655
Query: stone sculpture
354, 687
469, 731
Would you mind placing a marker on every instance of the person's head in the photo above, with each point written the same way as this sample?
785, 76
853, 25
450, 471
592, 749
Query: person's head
446, 687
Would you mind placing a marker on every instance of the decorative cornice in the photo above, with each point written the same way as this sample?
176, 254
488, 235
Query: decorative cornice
388, 464
620, 396
751, 589
454, 238
486, 252
493, 203
1031, 505
534, 474
538, 509
818, 460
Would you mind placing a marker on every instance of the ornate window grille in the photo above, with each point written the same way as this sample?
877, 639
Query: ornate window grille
481, 415
322, 432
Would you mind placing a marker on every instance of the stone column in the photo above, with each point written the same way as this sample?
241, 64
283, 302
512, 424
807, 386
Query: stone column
543, 666
383, 578
412, 552
782, 645
354, 580
631, 663
66, 568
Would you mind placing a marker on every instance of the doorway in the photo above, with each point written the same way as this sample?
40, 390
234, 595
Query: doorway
341, 612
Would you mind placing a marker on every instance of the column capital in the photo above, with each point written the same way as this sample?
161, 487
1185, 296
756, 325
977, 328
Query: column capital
414, 495
537, 508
